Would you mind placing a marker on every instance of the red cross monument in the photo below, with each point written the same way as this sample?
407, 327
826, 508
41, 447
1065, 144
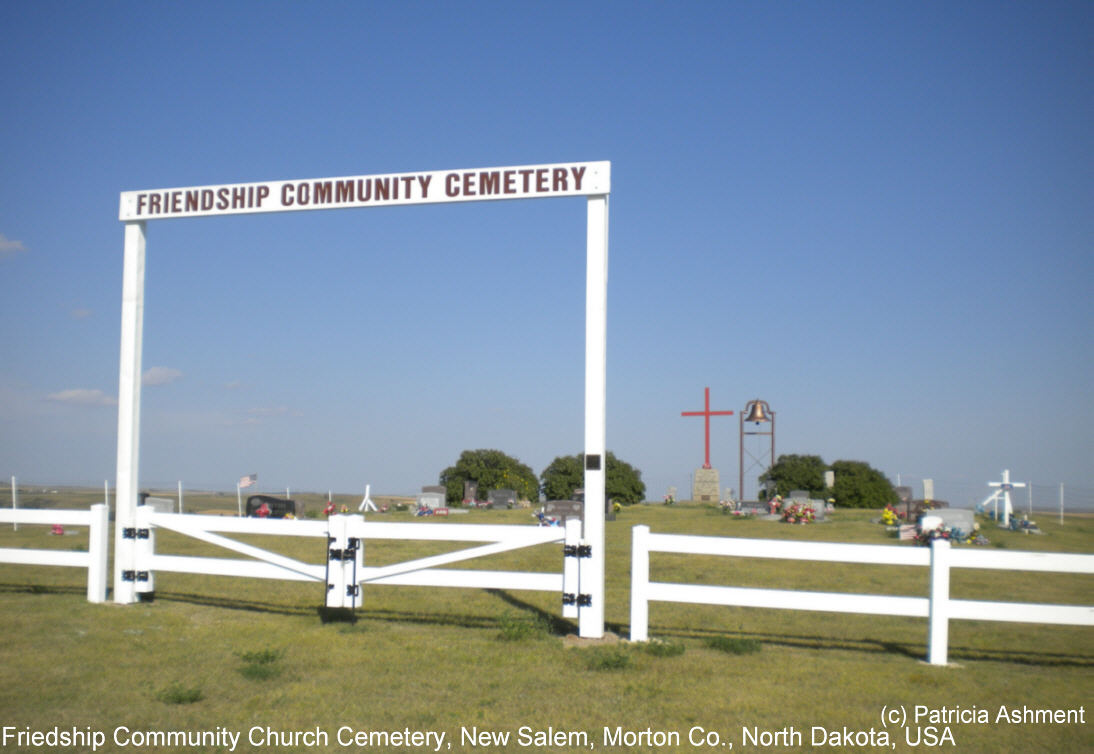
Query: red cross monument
706, 413
704, 482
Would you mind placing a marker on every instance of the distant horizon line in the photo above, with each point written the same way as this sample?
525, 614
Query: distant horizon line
1084, 503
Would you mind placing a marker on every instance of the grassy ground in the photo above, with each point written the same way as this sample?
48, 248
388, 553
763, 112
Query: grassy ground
216, 654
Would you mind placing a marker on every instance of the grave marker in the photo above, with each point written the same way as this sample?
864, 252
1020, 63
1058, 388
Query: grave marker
564, 509
470, 491
431, 498
502, 498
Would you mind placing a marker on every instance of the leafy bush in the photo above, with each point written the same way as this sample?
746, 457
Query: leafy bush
796, 472
857, 484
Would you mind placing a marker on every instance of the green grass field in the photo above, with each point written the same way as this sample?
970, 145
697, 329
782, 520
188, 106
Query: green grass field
231, 656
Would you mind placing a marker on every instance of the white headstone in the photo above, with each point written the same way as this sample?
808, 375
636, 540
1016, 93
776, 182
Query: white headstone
431, 500
953, 518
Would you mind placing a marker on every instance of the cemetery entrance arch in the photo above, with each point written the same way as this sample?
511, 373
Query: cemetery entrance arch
589, 179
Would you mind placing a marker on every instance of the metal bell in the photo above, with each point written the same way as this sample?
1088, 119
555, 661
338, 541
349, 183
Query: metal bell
757, 411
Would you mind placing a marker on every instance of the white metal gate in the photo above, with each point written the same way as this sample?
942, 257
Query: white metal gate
344, 570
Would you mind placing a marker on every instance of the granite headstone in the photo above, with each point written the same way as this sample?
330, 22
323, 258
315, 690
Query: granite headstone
502, 498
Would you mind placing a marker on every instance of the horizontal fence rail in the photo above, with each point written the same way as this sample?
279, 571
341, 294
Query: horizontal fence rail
938, 608
94, 559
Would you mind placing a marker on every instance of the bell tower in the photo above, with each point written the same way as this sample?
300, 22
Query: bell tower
760, 458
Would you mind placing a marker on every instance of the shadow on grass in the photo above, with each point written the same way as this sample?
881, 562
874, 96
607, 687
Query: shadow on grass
560, 626
42, 589
342, 615
909, 650
235, 603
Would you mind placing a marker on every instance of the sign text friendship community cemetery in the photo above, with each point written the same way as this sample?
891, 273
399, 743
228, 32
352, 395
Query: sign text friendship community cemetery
519, 182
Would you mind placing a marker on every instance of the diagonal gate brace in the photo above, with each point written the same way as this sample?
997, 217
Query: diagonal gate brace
305, 569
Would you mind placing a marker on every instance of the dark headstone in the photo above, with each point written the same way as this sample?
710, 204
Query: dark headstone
279, 507
502, 498
471, 491
563, 509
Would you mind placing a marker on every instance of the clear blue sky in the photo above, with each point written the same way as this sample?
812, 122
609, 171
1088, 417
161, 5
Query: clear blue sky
875, 216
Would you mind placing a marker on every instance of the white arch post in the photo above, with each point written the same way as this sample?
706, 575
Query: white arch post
589, 179
591, 615
129, 414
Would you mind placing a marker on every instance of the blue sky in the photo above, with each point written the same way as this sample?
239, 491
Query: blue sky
874, 216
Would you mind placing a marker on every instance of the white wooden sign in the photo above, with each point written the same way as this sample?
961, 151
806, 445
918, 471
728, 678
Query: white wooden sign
431, 187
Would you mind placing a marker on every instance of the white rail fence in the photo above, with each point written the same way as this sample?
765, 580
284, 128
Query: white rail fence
94, 559
938, 607
344, 569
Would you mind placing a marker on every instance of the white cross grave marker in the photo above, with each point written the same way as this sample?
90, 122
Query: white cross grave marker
366, 503
1003, 491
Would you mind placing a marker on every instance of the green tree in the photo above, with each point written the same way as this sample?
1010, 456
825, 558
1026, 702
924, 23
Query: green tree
858, 485
564, 475
491, 469
795, 472
622, 482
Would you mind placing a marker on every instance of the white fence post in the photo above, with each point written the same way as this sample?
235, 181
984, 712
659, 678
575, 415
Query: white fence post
129, 411
345, 560
98, 536
640, 577
336, 543
144, 548
571, 568
938, 617
355, 539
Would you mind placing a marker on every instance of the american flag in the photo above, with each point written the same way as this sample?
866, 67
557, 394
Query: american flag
247, 481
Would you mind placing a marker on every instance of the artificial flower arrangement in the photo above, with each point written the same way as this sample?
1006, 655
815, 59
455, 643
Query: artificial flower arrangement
957, 536
799, 514
889, 516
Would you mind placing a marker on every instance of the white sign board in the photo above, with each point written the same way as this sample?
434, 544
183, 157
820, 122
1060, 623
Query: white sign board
476, 184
